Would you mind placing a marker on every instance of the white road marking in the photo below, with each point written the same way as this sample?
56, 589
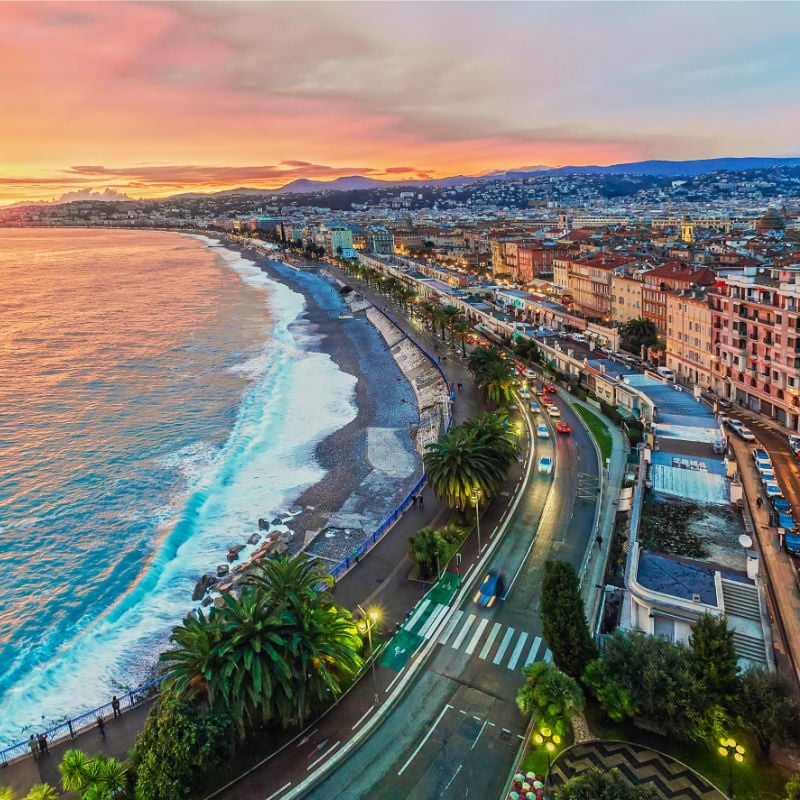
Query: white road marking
478, 633
498, 656
517, 651
424, 739
275, 794
451, 626
364, 716
323, 756
409, 626
548, 657
490, 641
433, 619
479, 735
534, 650
463, 632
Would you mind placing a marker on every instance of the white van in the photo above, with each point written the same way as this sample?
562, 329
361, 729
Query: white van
666, 372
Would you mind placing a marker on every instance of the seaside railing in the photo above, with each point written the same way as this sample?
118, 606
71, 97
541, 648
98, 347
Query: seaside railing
70, 727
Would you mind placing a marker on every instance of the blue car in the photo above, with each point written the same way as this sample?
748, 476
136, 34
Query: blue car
786, 522
491, 587
792, 543
781, 505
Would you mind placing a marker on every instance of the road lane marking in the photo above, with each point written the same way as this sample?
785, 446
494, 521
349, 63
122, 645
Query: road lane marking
490, 641
462, 634
306, 739
323, 756
517, 651
478, 633
363, 717
409, 626
534, 650
498, 656
483, 727
275, 794
424, 739
451, 626
548, 657
433, 619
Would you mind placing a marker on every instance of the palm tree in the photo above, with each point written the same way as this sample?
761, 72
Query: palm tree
498, 383
450, 315
97, 778
426, 547
637, 333
461, 329
192, 665
551, 696
298, 581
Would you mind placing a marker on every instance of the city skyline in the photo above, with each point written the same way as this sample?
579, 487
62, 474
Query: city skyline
156, 99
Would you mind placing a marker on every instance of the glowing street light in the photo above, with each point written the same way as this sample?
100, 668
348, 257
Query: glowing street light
547, 738
477, 493
369, 621
729, 748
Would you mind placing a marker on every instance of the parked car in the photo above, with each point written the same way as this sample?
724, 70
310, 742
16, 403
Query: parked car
794, 441
781, 505
563, 427
786, 522
767, 476
491, 587
772, 489
542, 431
760, 454
545, 465
734, 424
745, 433
554, 411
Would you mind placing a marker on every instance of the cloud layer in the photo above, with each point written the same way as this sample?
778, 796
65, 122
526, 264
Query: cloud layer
189, 95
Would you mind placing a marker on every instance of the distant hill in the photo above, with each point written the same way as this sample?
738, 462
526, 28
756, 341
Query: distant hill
665, 168
347, 184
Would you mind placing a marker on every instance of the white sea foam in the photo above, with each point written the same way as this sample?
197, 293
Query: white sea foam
266, 463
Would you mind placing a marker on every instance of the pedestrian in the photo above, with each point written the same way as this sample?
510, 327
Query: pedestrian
101, 727
71, 730
421, 501
43, 748
34, 747
414, 501
599, 540
115, 706
355, 555
759, 502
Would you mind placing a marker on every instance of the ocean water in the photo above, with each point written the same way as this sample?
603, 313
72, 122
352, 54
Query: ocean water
157, 396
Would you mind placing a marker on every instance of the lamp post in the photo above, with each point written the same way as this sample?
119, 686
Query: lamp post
735, 752
477, 493
547, 738
366, 625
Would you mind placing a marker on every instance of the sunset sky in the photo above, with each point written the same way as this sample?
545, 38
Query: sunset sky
152, 99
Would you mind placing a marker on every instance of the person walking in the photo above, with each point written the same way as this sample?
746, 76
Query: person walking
759, 502
101, 727
115, 706
421, 502
33, 746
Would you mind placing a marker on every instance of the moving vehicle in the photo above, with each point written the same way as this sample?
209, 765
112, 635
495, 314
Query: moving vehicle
542, 431
745, 433
666, 372
548, 387
563, 427
547, 400
545, 465
553, 411
491, 587
535, 408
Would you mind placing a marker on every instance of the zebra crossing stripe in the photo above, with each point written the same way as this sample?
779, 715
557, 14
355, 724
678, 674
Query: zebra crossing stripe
517, 650
490, 641
478, 633
498, 656
533, 651
451, 626
432, 620
415, 617
462, 634
548, 657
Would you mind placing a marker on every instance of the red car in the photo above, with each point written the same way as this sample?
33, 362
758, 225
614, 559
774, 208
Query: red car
549, 388
563, 427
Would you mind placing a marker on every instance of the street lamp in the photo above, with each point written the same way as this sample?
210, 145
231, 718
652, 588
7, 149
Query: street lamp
728, 747
549, 739
477, 493
365, 626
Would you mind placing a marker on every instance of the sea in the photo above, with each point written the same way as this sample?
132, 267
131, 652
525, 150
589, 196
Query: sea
158, 395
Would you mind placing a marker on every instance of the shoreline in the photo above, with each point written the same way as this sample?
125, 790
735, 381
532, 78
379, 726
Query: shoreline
373, 462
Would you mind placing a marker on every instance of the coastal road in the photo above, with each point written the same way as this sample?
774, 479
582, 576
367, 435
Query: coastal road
457, 731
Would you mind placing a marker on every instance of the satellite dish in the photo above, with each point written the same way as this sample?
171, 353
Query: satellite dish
745, 541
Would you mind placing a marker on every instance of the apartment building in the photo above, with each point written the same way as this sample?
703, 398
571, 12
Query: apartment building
588, 283
688, 338
756, 327
674, 276
626, 295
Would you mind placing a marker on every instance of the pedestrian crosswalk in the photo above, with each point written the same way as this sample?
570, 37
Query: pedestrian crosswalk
493, 642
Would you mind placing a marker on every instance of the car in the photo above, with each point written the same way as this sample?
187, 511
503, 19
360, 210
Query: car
767, 476
794, 441
791, 542
772, 489
734, 424
548, 387
535, 408
786, 522
764, 466
542, 431
553, 411
524, 393
563, 427
781, 505
545, 465
745, 433
490, 588
547, 400
760, 454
